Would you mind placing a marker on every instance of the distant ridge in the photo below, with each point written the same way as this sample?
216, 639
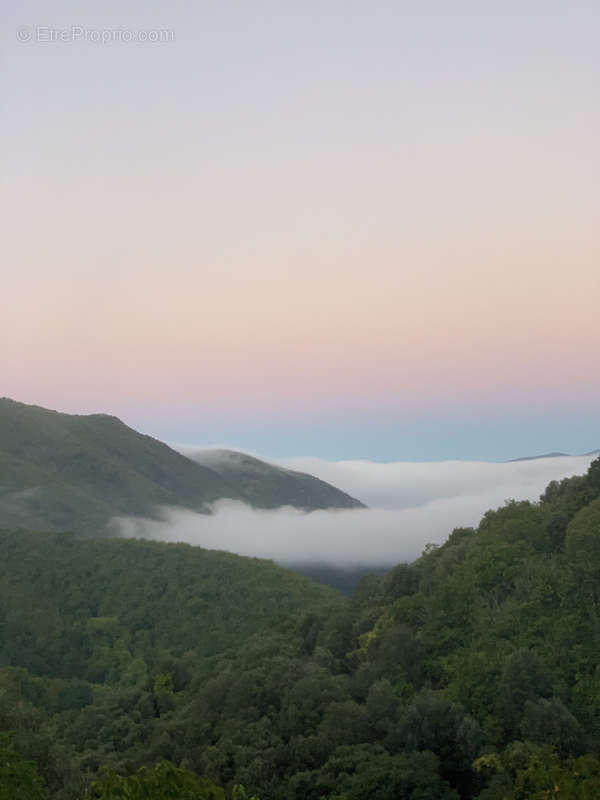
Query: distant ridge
272, 486
552, 455
535, 458
75, 472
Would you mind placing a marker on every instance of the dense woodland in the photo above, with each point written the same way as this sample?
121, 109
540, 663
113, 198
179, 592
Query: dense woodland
133, 669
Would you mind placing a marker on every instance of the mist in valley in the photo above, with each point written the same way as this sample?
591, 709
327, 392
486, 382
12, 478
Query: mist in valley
410, 505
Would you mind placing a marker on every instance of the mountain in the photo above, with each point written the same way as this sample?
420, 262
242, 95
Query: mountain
535, 458
551, 455
72, 472
268, 486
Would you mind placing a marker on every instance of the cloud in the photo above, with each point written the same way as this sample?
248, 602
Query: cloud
410, 505
399, 485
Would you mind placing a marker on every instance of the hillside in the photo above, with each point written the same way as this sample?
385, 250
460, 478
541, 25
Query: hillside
268, 486
471, 673
71, 472
147, 597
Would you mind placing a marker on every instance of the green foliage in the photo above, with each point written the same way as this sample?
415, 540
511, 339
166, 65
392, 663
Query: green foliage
19, 779
239, 793
369, 771
161, 782
581, 544
471, 673
530, 772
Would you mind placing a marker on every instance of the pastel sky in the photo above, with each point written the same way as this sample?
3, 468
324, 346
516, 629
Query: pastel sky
339, 229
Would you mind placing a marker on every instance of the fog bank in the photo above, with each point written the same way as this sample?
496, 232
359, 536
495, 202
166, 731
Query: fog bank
408, 484
411, 505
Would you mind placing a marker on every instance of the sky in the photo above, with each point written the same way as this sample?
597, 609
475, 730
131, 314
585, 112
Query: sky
409, 507
345, 230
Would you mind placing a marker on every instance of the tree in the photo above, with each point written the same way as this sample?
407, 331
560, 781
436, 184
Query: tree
19, 779
582, 545
550, 722
160, 782
535, 772
524, 678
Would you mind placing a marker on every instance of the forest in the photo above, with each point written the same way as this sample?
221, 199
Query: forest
135, 669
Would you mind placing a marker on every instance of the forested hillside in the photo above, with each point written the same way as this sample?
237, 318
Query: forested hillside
267, 486
471, 673
75, 472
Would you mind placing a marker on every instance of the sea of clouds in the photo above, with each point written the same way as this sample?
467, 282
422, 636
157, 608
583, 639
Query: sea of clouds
409, 505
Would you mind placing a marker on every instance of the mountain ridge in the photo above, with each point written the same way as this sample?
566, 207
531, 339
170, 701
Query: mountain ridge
75, 472
553, 454
258, 476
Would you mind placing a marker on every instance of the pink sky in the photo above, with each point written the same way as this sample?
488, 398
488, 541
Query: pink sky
394, 214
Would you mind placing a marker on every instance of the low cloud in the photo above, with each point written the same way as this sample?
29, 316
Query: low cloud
402, 484
410, 505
